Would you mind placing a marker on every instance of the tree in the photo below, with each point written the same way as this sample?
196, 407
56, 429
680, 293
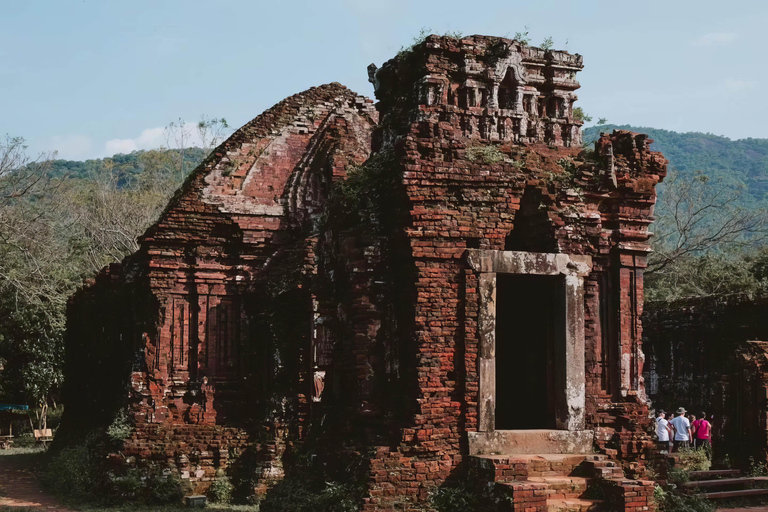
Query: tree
695, 216
29, 355
179, 135
55, 232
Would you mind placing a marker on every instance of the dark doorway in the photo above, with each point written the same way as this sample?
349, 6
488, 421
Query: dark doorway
527, 311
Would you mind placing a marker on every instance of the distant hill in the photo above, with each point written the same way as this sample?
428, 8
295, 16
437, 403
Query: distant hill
738, 163
742, 162
130, 164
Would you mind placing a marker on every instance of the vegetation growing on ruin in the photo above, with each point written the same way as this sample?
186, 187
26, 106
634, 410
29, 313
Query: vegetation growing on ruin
424, 33
336, 485
487, 154
368, 196
80, 475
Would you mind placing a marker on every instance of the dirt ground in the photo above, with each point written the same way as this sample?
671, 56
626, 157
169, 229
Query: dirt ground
19, 487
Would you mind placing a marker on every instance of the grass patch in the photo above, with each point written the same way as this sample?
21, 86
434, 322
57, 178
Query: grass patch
23, 450
148, 508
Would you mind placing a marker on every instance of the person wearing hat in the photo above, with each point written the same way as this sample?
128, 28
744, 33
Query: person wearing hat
682, 430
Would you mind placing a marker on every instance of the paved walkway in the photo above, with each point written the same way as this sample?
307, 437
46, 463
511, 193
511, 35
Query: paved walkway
19, 487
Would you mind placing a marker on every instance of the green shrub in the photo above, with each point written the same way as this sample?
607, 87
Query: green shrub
694, 460
79, 475
128, 487
757, 468
73, 473
670, 501
454, 499
121, 427
165, 487
310, 495
221, 489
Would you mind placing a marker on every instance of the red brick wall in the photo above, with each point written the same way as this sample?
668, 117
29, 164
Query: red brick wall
456, 203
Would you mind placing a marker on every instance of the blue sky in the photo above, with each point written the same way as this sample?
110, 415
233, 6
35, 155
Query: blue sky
88, 77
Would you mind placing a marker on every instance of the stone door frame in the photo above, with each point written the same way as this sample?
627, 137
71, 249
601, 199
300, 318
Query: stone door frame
573, 268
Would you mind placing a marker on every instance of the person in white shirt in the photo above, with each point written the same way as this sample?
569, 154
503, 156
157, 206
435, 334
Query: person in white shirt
682, 430
663, 431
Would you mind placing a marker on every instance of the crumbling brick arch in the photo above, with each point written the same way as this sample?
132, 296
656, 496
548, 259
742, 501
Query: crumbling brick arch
533, 230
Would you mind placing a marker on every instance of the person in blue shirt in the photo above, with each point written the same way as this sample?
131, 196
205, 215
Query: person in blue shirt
682, 428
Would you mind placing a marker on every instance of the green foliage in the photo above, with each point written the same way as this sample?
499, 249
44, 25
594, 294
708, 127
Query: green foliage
121, 428
454, 499
580, 115
310, 486
368, 196
488, 154
738, 164
547, 44
689, 460
757, 468
79, 475
304, 496
131, 165
164, 487
75, 472
670, 501
694, 460
523, 37
424, 33
715, 273
221, 489
60, 223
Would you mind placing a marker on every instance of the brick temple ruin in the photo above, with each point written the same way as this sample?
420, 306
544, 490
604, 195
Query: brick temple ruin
444, 282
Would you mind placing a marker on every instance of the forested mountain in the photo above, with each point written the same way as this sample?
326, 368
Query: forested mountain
131, 164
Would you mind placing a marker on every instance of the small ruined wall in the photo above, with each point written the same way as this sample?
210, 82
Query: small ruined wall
697, 357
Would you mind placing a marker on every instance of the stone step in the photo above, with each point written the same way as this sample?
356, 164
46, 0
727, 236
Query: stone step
602, 468
573, 505
713, 473
721, 482
531, 441
734, 494
563, 487
506, 468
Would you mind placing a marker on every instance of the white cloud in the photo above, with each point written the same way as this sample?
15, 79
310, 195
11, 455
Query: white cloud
715, 38
114, 146
71, 147
81, 147
151, 138
739, 85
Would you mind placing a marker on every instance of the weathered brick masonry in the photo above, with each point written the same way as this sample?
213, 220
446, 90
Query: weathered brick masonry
178, 316
476, 286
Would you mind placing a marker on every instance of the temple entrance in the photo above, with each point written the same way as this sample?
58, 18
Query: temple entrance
530, 342
531, 355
